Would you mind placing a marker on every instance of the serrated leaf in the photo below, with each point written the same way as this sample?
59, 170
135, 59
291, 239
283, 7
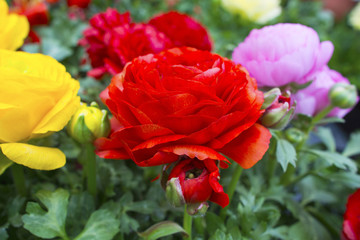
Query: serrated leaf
336, 159
51, 223
327, 138
352, 148
162, 229
285, 153
102, 225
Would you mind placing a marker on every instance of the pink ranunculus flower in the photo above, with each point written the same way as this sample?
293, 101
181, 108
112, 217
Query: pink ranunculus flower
314, 98
283, 53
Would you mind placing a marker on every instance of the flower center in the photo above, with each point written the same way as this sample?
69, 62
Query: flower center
193, 173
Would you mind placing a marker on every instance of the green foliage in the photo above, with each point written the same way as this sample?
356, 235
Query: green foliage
102, 225
48, 223
285, 153
162, 229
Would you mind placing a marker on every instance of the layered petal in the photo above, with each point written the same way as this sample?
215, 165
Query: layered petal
41, 158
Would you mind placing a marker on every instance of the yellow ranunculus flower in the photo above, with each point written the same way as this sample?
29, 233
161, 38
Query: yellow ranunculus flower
37, 97
259, 11
354, 17
14, 29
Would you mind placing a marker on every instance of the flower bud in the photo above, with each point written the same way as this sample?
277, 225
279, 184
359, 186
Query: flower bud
174, 193
278, 109
294, 135
89, 123
198, 209
343, 95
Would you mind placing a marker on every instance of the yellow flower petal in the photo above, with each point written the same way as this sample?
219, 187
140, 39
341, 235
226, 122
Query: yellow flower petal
37, 96
14, 29
4, 163
41, 158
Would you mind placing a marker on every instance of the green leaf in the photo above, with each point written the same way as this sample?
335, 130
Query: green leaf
13, 209
51, 223
336, 159
352, 148
162, 229
327, 138
220, 235
331, 120
102, 225
214, 222
54, 48
3, 234
285, 153
349, 179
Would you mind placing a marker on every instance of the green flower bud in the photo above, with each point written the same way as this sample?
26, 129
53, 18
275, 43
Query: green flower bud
278, 112
198, 209
343, 95
294, 135
174, 193
270, 97
89, 123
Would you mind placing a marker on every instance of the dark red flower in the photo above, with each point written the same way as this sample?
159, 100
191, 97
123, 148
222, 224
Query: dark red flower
182, 30
199, 181
36, 12
184, 101
351, 225
78, 3
113, 40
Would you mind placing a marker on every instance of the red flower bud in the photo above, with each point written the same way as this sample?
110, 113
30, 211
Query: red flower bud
199, 182
36, 12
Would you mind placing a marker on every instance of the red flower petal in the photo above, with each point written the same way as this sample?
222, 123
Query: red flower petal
249, 147
193, 151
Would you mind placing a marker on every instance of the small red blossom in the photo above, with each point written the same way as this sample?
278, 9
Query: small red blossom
351, 225
112, 40
78, 3
36, 12
199, 181
180, 102
182, 30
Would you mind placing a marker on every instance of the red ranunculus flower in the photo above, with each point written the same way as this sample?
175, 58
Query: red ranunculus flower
184, 101
36, 12
78, 3
113, 40
199, 181
182, 30
351, 225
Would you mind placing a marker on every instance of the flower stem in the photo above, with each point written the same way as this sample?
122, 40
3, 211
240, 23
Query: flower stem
187, 224
322, 114
90, 169
19, 179
231, 189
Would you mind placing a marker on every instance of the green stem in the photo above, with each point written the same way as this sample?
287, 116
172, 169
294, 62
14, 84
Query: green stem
90, 169
298, 179
271, 161
187, 224
231, 189
19, 179
287, 176
199, 226
321, 115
